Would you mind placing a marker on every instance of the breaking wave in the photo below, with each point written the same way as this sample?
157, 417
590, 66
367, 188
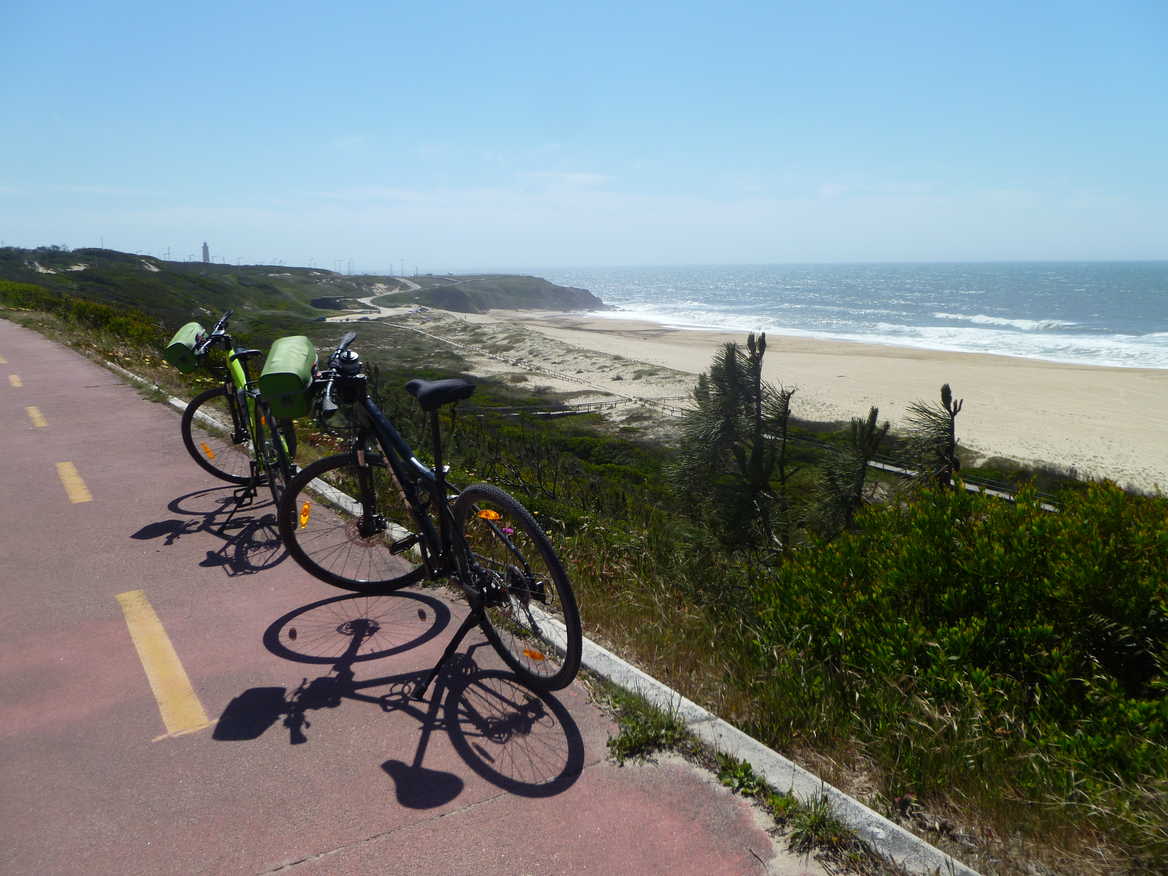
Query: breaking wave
1026, 325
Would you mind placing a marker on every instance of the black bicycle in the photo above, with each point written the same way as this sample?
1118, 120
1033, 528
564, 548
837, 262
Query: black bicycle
376, 519
241, 442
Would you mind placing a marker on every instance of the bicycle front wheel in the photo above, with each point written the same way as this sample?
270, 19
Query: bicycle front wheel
530, 614
210, 429
277, 440
349, 525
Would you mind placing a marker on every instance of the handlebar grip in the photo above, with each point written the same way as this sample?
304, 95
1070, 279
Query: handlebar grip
222, 323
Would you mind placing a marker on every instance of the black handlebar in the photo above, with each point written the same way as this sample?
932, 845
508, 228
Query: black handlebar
219, 331
342, 363
222, 323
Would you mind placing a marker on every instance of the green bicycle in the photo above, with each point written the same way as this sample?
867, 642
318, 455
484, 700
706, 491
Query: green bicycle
240, 438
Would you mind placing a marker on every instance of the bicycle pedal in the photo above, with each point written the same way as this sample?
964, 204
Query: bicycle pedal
404, 544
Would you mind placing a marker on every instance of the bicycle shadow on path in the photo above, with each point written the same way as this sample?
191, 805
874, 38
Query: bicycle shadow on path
251, 540
523, 742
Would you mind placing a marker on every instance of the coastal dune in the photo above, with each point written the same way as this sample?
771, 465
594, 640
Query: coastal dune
1104, 422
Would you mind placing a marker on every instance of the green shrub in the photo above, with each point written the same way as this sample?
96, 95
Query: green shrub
1024, 649
124, 323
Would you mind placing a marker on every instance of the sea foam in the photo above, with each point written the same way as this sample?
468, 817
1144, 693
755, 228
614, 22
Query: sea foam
1090, 313
1026, 325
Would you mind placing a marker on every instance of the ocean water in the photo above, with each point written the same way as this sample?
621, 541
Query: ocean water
1092, 313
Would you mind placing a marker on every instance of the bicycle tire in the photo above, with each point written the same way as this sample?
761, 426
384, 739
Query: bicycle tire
532, 620
276, 446
322, 530
215, 450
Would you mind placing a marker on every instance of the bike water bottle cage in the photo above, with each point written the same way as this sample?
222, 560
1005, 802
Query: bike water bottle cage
433, 394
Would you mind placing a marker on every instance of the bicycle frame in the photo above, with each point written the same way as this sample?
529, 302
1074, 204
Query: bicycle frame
236, 383
413, 476
445, 548
247, 413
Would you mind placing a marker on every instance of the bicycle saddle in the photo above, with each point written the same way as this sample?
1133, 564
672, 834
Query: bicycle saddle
246, 354
432, 394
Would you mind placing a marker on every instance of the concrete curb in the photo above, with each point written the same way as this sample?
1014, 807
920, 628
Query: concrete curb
889, 839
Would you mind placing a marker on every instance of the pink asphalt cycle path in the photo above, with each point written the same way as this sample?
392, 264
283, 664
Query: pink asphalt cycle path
311, 757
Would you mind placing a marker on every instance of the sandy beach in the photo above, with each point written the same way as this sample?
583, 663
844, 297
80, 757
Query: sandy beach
1104, 422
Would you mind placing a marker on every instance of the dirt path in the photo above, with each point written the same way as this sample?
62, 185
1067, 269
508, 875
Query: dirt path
376, 311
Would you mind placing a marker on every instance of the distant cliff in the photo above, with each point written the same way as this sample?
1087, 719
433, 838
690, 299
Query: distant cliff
178, 291
480, 293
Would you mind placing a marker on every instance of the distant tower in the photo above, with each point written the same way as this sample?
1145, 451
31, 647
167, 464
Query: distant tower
206, 253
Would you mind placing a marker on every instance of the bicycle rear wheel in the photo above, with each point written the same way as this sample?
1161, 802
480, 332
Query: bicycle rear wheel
210, 429
352, 528
530, 615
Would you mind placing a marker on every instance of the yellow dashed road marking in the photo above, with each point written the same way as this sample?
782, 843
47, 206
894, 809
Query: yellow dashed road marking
34, 414
74, 486
177, 701
15, 380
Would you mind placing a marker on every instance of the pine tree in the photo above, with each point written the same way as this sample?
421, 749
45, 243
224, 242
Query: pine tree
933, 438
841, 485
733, 462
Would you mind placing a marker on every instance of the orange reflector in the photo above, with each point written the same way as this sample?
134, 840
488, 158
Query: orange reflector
488, 514
207, 451
533, 654
305, 511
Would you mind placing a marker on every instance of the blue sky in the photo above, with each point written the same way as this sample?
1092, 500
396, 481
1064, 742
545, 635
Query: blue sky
514, 135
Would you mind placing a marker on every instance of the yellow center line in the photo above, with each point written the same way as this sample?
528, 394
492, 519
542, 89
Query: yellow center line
34, 414
177, 701
15, 380
71, 481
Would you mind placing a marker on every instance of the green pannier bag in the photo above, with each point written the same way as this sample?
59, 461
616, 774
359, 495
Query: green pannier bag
180, 352
287, 376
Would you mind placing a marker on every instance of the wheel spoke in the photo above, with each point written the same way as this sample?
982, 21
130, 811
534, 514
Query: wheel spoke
540, 642
328, 542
